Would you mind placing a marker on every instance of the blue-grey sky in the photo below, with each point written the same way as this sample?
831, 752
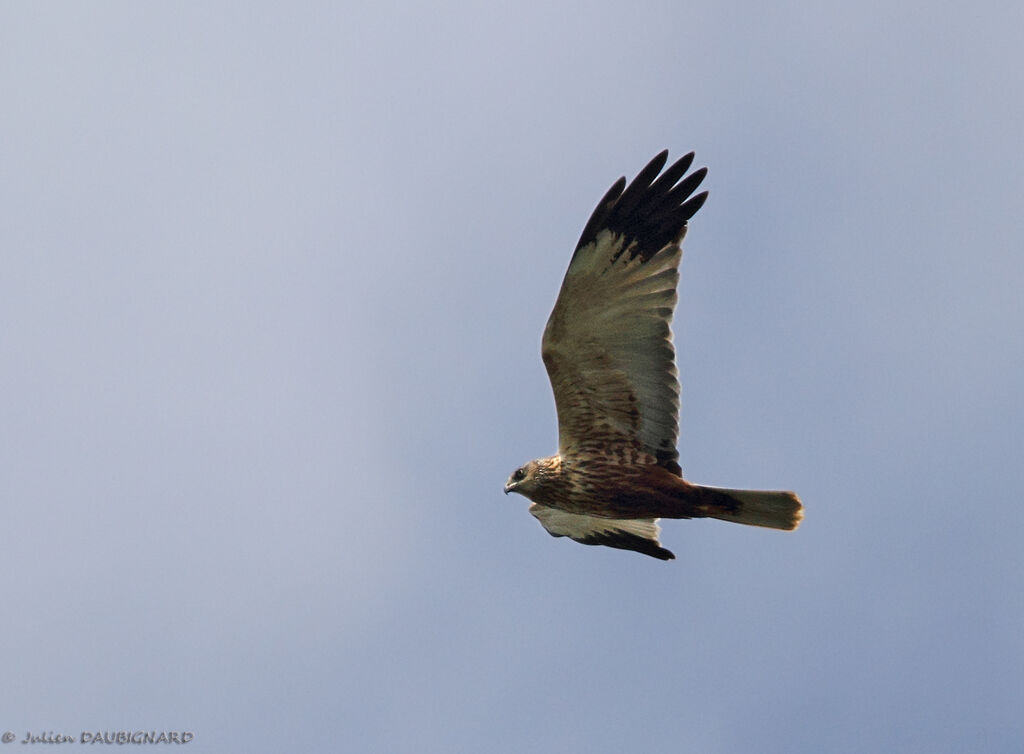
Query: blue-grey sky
273, 283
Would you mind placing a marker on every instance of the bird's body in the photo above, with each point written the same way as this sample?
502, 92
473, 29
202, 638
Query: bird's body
608, 351
621, 488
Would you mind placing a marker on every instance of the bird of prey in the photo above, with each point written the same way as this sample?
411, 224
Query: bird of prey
608, 351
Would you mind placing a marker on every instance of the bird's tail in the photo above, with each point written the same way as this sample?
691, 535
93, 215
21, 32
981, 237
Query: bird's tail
775, 510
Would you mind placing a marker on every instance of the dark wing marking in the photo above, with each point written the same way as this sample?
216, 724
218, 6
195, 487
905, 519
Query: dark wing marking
607, 345
639, 535
651, 212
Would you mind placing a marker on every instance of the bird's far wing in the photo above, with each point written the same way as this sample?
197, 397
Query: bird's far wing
607, 345
639, 535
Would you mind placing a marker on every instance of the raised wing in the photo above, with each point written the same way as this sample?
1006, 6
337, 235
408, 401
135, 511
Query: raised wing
639, 535
607, 345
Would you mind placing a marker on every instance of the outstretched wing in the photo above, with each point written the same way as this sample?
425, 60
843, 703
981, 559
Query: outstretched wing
607, 345
639, 535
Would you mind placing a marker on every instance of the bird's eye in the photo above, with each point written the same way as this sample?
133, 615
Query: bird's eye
520, 473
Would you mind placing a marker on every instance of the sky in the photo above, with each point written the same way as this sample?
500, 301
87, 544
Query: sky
273, 283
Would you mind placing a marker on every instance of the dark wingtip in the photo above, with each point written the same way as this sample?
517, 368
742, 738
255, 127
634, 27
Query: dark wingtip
600, 214
693, 205
624, 540
651, 211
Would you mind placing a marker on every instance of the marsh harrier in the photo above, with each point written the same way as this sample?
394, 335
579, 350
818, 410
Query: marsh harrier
608, 352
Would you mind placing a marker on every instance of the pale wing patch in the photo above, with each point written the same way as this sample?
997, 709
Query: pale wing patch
639, 535
608, 349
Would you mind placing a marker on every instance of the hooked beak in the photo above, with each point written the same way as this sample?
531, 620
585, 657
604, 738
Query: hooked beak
508, 487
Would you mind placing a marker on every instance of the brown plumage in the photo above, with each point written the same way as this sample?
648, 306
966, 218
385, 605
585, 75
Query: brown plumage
608, 352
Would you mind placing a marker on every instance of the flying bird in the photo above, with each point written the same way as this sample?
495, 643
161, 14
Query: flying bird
608, 352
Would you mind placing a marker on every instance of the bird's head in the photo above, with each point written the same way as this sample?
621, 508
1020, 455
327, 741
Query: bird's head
527, 479
521, 479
